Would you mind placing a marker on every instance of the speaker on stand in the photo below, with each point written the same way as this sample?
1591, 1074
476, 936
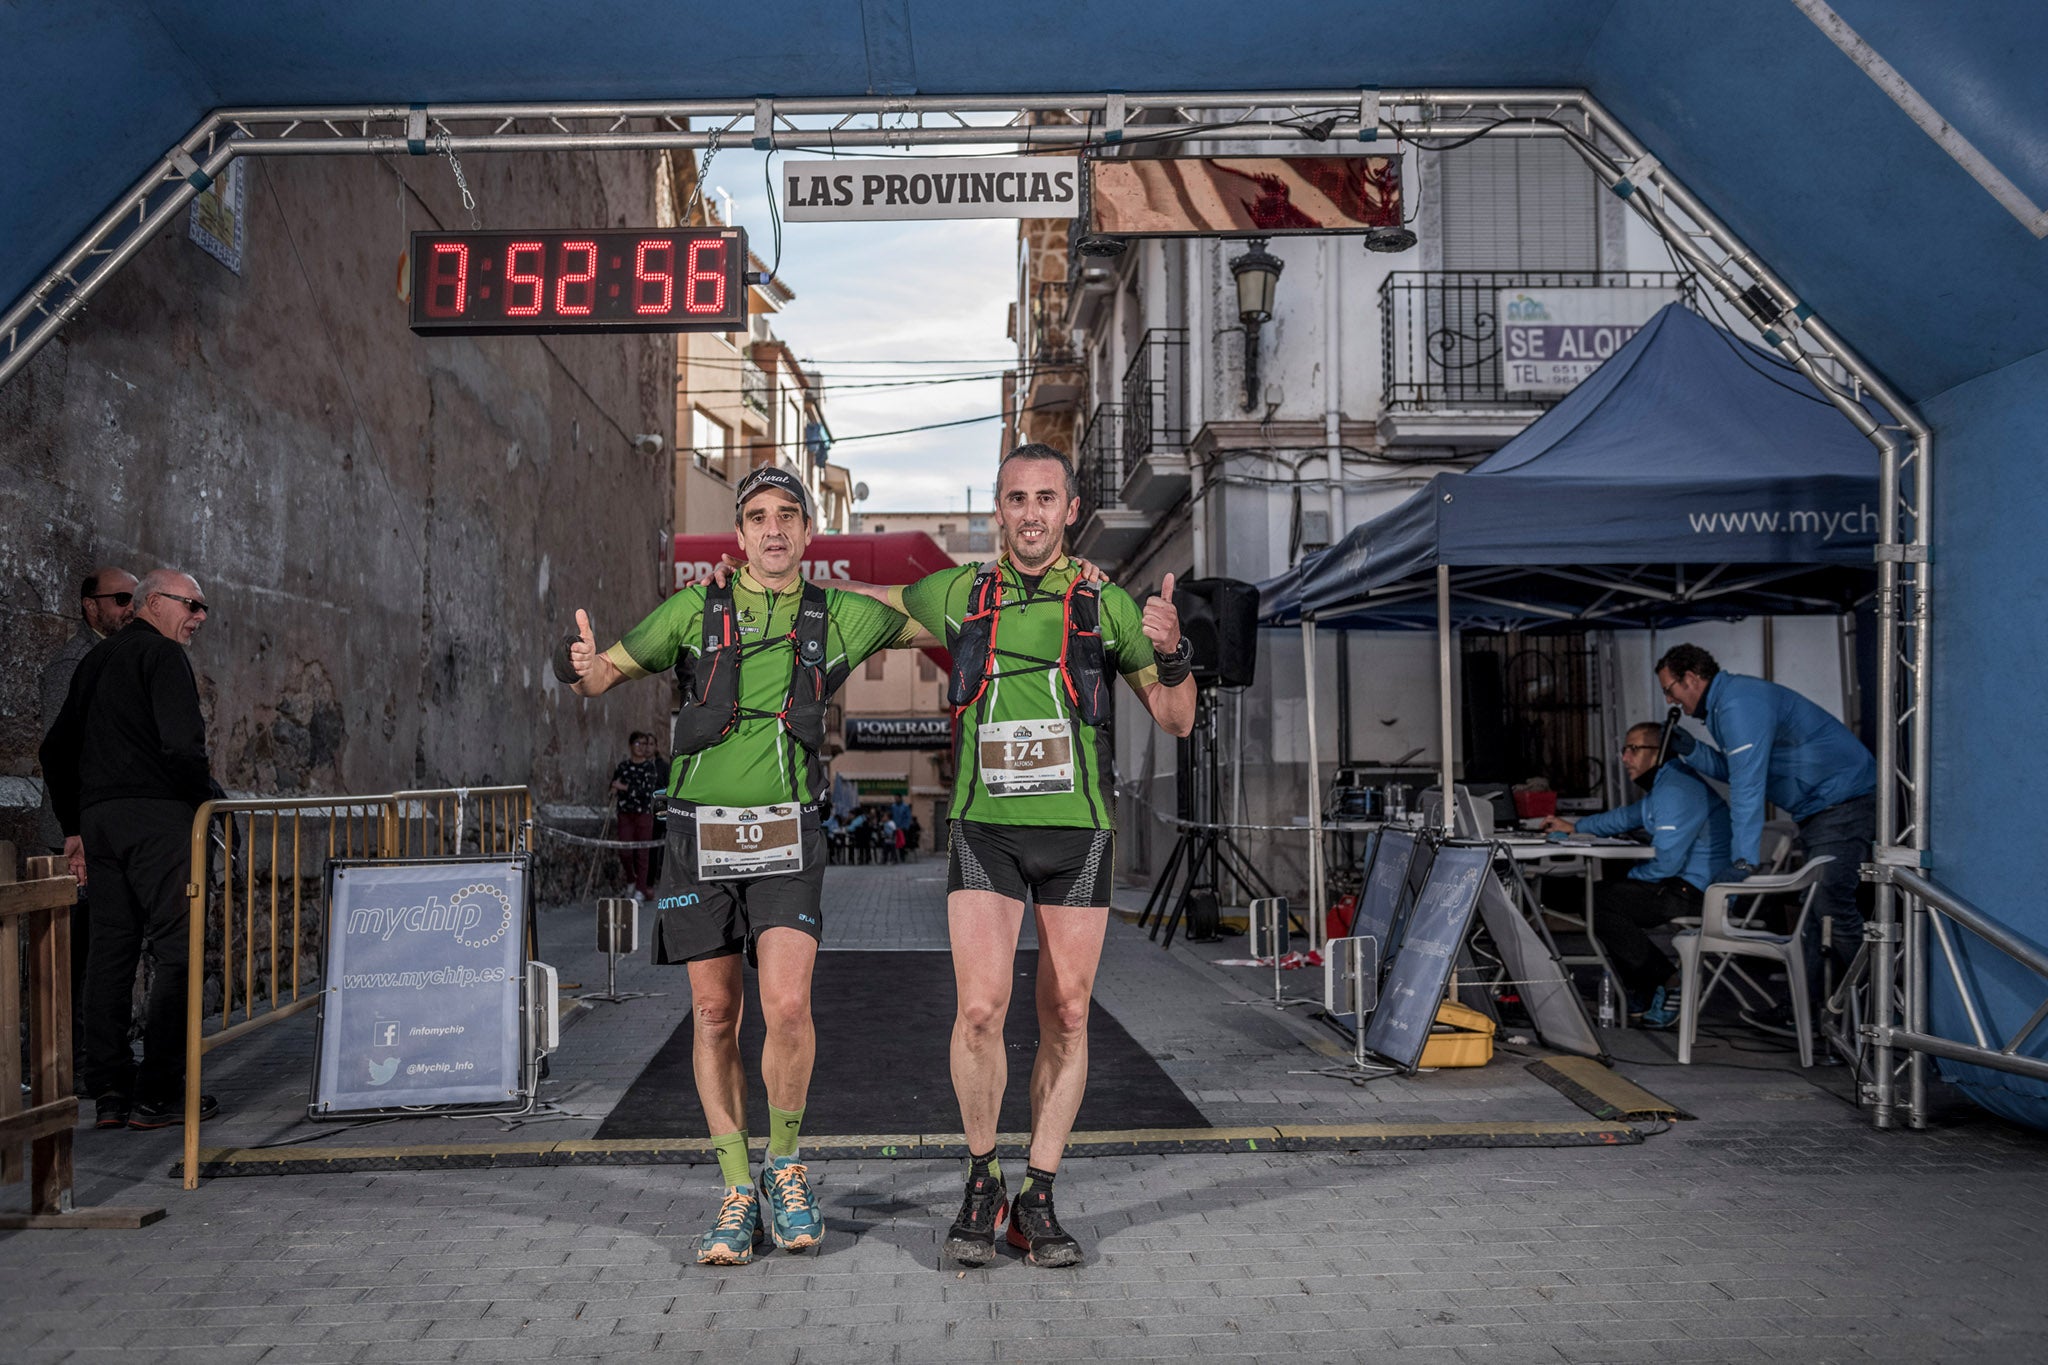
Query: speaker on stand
1219, 616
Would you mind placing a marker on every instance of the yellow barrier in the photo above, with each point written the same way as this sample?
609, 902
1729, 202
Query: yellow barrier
293, 840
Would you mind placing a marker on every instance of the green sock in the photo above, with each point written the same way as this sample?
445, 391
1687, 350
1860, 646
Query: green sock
783, 1127
1034, 1177
732, 1159
984, 1165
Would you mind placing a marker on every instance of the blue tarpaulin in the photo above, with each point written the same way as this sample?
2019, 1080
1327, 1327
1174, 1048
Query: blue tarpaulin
1691, 476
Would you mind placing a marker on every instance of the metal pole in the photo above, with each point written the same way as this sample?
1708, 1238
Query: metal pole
1315, 788
1443, 676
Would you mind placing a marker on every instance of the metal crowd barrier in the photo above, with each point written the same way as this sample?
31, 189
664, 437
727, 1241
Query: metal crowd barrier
258, 890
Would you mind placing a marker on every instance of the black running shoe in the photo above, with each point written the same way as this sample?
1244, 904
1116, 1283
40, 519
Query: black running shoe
111, 1111
171, 1113
972, 1238
1036, 1231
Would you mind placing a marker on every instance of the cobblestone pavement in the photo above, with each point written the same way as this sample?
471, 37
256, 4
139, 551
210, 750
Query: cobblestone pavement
1778, 1225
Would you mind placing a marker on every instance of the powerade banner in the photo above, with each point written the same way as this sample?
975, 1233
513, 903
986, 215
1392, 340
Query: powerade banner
899, 732
425, 965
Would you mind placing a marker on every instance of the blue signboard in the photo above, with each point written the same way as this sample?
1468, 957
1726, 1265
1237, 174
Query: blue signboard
426, 965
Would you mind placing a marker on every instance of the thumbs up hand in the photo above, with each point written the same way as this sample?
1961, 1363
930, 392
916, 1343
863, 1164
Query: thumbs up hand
583, 649
576, 655
1162, 619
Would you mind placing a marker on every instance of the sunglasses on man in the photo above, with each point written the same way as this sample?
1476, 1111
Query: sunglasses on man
119, 599
192, 604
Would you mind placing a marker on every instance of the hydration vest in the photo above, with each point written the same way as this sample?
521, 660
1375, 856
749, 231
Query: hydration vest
1081, 666
711, 682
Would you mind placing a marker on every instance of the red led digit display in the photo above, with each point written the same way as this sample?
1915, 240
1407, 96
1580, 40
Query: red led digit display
574, 286
654, 280
659, 280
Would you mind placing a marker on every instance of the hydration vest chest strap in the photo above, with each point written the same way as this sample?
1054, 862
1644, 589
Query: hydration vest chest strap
711, 683
1082, 666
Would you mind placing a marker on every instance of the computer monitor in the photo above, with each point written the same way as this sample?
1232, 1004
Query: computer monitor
1475, 817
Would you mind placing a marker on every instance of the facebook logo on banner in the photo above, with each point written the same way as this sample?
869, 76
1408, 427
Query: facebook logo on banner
385, 1033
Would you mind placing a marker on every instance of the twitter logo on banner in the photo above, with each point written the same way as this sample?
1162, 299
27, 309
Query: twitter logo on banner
383, 1071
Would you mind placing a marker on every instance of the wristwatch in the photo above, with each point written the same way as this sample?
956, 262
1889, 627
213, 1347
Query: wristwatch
1175, 667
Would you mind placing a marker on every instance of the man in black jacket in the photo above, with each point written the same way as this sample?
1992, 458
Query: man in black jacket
126, 767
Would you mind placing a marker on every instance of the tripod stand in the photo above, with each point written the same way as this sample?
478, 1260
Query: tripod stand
1204, 852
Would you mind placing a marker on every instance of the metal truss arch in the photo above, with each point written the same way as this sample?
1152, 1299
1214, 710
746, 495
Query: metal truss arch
1107, 123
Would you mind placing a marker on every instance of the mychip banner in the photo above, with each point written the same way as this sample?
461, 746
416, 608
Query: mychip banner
426, 963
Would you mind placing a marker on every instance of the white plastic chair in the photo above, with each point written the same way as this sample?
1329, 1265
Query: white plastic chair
1728, 938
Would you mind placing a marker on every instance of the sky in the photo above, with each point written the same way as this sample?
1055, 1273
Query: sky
872, 295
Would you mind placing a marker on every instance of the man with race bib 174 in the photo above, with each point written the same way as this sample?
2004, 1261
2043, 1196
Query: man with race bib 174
746, 852
1036, 648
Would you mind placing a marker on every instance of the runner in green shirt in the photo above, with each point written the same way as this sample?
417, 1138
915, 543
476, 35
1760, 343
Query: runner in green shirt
746, 856
1033, 816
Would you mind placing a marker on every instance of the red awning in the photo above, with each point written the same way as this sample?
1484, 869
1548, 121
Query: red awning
887, 557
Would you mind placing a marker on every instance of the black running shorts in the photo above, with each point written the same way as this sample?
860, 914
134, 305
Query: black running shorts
699, 920
1040, 864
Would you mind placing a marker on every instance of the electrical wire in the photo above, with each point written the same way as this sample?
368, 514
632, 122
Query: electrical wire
1725, 330
906, 431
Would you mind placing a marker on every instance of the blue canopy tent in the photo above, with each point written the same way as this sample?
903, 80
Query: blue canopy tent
1690, 477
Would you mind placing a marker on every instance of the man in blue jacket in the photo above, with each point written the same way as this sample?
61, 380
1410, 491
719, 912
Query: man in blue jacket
1688, 827
1776, 747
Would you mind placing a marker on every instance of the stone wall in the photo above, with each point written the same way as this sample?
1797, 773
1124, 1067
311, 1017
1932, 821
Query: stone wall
392, 529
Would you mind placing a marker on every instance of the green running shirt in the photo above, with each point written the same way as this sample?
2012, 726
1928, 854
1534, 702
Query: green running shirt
758, 761
1028, 629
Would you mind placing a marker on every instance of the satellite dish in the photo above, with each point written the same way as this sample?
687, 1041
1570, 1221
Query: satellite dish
860, 492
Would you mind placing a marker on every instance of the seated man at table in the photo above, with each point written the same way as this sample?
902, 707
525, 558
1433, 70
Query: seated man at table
1688, 826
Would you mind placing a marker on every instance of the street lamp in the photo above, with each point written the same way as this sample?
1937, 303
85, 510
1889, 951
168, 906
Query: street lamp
1256, 272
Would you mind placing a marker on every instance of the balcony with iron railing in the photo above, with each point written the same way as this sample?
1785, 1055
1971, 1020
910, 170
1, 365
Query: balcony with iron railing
1107, 530
1155, 425
1052, 370
754, 388
1444, 380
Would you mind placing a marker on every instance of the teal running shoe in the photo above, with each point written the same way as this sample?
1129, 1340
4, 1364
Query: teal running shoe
737, 1234
798, 1226
1663, 1010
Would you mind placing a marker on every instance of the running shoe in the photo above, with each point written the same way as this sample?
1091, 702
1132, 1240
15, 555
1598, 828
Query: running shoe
737, 1234
1663, 1008
1036, 1231
796, 1224
169, 1113
972, 1238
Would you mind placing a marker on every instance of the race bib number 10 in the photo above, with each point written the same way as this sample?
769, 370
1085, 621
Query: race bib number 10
759, 841
1027, 757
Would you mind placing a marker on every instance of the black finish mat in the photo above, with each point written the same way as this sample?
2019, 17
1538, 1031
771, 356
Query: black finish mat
885, 1023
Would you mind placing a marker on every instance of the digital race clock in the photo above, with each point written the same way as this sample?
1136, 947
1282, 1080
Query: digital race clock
670, 280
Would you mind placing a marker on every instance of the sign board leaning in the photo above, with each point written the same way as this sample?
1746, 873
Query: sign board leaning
847, 191
1553, 337
425, 971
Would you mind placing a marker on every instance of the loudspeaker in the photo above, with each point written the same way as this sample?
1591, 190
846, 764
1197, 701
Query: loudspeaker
1220, 616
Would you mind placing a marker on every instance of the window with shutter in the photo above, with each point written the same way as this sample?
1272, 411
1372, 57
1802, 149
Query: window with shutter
1510, 206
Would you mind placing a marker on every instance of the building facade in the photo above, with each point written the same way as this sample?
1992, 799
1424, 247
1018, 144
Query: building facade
1208, 447
363, 507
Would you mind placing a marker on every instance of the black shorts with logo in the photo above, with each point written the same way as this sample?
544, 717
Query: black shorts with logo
697, 920
1041, 864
